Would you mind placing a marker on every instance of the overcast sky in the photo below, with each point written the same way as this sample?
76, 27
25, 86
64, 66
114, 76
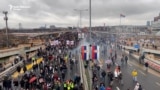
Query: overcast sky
36, 13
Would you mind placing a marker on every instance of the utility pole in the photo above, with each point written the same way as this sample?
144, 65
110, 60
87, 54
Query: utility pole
6, 19
80, 15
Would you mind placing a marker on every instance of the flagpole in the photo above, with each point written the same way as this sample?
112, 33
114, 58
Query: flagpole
120, 21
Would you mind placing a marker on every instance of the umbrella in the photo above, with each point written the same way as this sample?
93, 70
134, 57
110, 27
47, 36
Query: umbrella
108, 61
32, 79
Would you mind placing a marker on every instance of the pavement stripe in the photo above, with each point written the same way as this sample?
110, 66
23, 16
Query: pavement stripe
141, 72
117, 88
130, 64
157, 83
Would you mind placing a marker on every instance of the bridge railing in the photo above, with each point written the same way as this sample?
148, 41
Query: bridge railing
17, 51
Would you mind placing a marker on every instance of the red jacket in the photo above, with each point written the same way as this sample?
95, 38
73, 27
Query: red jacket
108, 88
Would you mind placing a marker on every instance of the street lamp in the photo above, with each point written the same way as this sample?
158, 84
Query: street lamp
80, 15
90, 21
6, 19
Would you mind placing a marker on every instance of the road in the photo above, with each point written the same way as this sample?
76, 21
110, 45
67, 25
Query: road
149, 80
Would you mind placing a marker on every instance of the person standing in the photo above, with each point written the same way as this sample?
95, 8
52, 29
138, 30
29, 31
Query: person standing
134, 75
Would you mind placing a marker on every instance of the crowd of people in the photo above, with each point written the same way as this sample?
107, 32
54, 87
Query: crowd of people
110, 75
58, 70
53, 73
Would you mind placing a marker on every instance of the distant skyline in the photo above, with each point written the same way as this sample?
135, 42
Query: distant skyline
37, 13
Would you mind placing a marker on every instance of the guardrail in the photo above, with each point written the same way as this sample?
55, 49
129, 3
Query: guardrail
10, 70
17, 51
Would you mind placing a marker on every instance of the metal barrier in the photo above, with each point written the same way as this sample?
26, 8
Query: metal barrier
10, 70
17, 51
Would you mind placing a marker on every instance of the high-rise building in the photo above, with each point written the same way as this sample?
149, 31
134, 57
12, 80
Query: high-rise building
155, 25
148, 23
157, 18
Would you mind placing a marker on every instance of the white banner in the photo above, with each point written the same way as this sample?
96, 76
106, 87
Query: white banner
57, 42
71, 42
67, 42
52, 43
79, 35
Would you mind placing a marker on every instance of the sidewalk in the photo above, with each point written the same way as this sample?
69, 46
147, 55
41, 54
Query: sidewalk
29, 67
152, 63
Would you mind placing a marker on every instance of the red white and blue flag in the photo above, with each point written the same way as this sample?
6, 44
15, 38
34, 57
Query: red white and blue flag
85, 53
95, 52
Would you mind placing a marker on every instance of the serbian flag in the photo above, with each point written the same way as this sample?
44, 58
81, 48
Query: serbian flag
85, 52
95, 52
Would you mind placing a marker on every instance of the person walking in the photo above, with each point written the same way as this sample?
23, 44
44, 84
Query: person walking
134, 75
146, 65
110, 78
136, 86
126, 59
109, 88
140, 87
122, 60
102, 87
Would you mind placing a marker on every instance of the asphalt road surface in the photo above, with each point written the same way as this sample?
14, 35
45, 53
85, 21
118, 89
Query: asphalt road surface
149, 80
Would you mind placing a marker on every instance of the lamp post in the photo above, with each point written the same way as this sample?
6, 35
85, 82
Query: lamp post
90, 20
6, 19
80, 15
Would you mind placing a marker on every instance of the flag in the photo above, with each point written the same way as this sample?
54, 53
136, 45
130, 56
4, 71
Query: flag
121, 15
85, 53
95, 52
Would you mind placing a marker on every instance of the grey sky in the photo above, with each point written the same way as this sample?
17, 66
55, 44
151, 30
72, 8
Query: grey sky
36, 13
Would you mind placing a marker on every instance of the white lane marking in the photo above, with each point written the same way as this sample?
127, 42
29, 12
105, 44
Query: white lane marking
130, 64
141, 72
117, 88
158, 83
116, 64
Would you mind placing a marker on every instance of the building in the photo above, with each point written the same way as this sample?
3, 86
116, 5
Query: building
148, 23
52, 26
155, 25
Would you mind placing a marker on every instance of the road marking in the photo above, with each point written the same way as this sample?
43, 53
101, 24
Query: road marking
130, 64
158, 83
116, 64
117, 88
141, 72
